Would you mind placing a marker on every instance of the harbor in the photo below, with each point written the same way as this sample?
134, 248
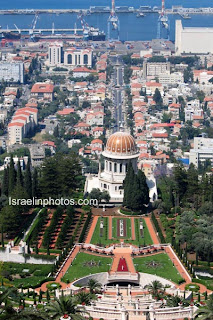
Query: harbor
106, 9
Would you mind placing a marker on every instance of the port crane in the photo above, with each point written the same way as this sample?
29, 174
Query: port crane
34, 22
163, 29
113, 24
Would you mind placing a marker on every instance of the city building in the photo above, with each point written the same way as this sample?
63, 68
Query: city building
202, 151
154, 69
12, 71
193, 40
59, 56
42, 91
171, 78
23, 122
37, 154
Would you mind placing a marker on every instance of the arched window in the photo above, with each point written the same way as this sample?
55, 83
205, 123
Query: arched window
120, 167
106, 165
105, 186
126, 167
69, 59
110, 166
115, 167
85, 58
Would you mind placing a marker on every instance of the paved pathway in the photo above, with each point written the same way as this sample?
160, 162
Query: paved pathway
133, 227
151, 230
122, 253
110, 227
91, 229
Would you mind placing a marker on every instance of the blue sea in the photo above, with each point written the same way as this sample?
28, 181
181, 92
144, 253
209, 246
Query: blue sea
132, 28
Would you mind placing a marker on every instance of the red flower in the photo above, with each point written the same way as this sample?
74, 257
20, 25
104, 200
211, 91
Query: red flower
66, 316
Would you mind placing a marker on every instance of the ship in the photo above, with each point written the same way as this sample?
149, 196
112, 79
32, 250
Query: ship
10, 35
140, 15
94, 34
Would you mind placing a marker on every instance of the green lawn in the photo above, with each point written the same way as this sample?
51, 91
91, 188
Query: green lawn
79, 268
163, 269
146, 240
104, 240
26, 275
128, 228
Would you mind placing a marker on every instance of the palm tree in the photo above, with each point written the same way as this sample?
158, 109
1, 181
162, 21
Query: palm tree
25, 314
154, 287
93, 285
64, 305
206, 313
175, 301
84, 298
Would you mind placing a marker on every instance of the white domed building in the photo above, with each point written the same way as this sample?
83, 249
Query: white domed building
120, 150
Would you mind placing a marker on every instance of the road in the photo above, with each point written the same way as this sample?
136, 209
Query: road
118, 92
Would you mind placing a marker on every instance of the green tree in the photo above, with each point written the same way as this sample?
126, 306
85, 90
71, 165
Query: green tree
5, 184
12, 176
157, 97
154, 287
28, 179
206, 313
127, 185
93, 285
19, 181
35, 183
65, 305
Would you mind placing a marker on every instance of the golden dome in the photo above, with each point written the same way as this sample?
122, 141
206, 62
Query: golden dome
121, 143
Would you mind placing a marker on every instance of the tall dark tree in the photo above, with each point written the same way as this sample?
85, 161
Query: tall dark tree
5, 184
128, 182
144, 189
12, 176
28, 179
19, 181
180, 178
35, 183
157, 97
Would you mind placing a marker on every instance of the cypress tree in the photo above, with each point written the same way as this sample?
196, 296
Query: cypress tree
2, 236
35, 183
5, 184
48, 296
136, 200
28, 180
144, 189
19, 181
12, 176
128, 182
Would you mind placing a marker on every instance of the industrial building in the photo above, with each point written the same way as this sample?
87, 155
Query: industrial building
193, 40
12, 71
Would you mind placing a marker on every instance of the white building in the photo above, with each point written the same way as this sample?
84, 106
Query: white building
193, 110
171, 78
120, 150
202, 151
155, 68
12, 71
193, 40
59, 56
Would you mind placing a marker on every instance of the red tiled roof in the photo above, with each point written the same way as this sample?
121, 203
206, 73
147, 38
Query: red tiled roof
160, 135
42, 88
49, 143
15, 124
66, 111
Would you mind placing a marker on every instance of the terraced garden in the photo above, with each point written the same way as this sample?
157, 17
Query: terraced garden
158, 264
85, 264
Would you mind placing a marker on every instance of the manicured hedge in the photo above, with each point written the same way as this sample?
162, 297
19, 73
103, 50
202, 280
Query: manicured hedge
53, 224
158, 229
65, 228
83, 232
